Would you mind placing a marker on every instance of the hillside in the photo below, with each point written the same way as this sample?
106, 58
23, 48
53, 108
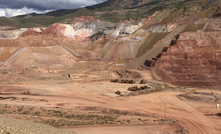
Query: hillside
122, 66
116, 11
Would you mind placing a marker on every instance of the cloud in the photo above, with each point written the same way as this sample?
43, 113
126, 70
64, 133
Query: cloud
47, 4
9, 8
7, 12
2, 13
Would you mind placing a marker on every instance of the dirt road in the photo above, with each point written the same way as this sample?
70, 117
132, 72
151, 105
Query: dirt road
151, 129
192, 115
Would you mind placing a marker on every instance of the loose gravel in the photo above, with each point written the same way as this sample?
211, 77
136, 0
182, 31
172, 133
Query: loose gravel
10, 125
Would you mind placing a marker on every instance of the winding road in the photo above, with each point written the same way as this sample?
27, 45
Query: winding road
194, 116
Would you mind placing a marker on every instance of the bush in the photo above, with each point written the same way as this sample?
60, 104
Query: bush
115, 80
118, 92
37, 113
20, 109
131, 81
143, 81
135, 88
143, 87
25, 112
122, 81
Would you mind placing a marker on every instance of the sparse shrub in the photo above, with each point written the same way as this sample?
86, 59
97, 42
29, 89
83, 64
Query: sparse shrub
143, 87
143, 81
37, 113
126, 81
131, 81
162, 120
118, 92
25, 112
135, 88
115, 80
20, 109
122, 81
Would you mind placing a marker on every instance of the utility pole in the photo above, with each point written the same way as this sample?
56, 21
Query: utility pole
165, 111
217, 106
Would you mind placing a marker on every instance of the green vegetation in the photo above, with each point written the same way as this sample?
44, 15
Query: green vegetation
118, 92
20, 109
7, 21
117, 11
136, 88
122, 81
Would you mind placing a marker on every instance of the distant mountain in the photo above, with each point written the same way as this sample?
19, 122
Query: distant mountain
62, 12
118, 10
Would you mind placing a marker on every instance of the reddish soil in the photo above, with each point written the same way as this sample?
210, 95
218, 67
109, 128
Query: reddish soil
194, 117
57, 75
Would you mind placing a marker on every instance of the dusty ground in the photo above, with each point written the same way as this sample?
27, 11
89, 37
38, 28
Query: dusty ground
59, 77
93, 107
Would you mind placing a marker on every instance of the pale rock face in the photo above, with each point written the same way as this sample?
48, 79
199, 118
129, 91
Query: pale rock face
80, 34
84, 27
64, 30
114, 33
38, 29
12, 34
69, 31
171, 27
163, 28
79, 25
123, 29
132, 28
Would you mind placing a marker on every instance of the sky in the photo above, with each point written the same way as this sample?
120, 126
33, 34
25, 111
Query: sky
9, 8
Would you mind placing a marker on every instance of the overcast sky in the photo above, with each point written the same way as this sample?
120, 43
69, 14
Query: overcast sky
9, 8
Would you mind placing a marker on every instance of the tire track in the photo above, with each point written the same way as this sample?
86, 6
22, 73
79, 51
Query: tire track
14, 56
196, 122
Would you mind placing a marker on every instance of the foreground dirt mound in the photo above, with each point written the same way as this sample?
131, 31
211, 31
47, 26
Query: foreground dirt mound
194, 60
10, 125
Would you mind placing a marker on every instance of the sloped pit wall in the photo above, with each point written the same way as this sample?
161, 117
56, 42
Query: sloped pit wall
193, 60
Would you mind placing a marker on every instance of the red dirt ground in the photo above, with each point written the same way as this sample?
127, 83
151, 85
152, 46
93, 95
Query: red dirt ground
195, 117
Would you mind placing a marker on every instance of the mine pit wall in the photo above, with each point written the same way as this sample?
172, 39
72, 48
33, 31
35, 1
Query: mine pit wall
193, 60
7, 52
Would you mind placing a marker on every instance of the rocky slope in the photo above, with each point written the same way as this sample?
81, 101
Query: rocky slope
132, 39
14, 126
193, 59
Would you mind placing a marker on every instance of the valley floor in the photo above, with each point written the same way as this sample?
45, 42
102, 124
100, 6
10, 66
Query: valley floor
93, 107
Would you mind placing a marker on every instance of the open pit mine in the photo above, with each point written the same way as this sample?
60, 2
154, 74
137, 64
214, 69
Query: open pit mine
117, 67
